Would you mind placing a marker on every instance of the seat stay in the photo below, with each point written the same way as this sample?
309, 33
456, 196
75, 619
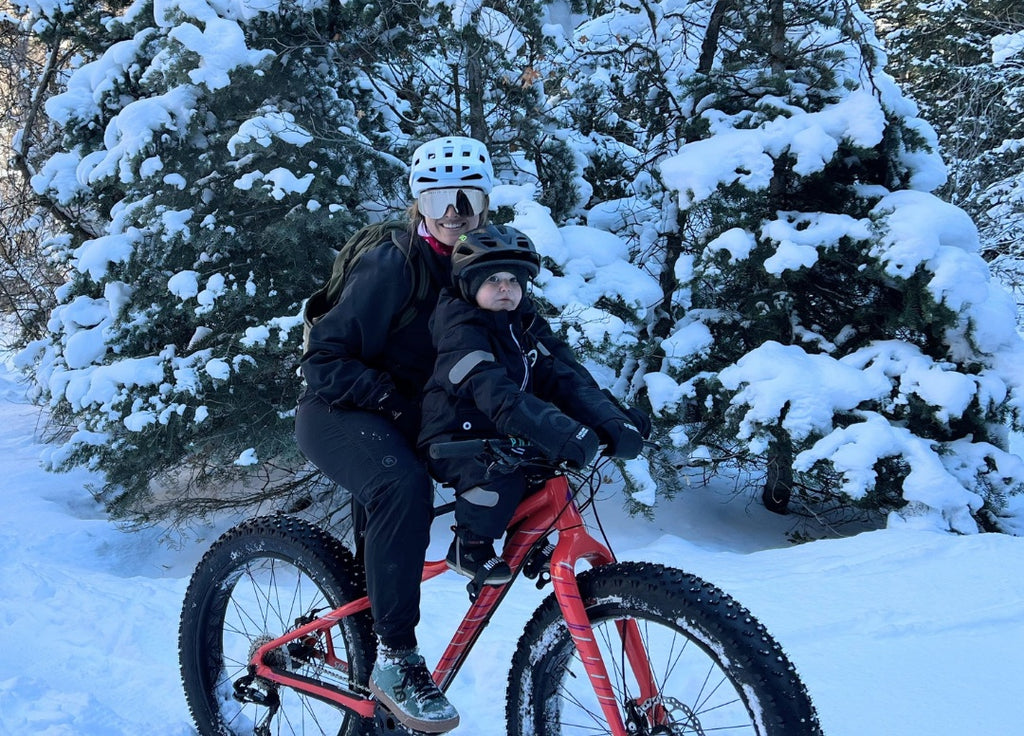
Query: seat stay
350, 700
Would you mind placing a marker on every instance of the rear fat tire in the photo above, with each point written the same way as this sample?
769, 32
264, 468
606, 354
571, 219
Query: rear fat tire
252, 584
719, 669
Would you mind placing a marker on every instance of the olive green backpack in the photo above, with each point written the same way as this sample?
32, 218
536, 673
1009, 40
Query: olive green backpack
383, 234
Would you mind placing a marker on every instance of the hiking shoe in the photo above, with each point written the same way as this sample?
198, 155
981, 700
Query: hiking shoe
475, 558
402, 683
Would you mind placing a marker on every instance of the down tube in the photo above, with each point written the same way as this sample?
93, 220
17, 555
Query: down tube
532, 520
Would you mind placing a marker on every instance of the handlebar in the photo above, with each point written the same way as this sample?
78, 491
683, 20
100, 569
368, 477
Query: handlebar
499, 447
472, 448
514, 452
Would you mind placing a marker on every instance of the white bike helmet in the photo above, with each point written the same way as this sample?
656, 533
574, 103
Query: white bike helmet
455, 161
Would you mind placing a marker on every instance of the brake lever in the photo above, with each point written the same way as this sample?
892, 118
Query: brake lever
500, 452
511, 454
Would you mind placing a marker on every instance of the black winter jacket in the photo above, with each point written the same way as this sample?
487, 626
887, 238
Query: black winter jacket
505, 373
356, 356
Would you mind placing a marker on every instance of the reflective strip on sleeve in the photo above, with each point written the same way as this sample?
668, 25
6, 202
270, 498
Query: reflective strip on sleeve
467, 363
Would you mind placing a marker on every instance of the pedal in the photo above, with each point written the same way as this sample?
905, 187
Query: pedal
385, 724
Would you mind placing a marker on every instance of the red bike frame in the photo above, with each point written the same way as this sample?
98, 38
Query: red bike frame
552, 507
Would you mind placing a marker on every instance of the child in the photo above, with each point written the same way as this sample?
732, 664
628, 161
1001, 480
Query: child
497, 375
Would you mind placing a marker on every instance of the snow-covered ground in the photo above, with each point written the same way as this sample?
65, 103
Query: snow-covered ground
895, 632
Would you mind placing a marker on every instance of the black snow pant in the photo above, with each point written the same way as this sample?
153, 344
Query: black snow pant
486, 498
365, 454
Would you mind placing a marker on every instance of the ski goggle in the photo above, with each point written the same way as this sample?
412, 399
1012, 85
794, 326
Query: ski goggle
433, 203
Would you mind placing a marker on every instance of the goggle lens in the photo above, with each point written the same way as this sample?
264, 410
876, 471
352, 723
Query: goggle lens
433, 203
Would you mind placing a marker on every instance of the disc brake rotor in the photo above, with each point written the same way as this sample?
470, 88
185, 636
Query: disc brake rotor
676, 718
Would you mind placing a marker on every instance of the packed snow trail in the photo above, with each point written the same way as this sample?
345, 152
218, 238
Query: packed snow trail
894, 632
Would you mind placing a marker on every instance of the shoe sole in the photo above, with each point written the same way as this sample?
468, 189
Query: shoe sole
470, 575
416, 724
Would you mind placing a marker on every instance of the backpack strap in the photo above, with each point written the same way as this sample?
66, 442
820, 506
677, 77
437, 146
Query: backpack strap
323, 299
424, 271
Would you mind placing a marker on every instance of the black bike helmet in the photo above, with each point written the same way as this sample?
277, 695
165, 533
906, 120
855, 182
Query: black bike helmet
492, 248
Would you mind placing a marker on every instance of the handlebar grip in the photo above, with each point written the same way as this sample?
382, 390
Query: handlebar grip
460, 448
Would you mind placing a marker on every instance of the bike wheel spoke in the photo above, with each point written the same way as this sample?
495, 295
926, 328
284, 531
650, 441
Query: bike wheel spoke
257, 583
682, 659
594, 719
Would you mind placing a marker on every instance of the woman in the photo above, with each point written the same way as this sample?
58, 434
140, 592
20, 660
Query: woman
359, 415
365, 369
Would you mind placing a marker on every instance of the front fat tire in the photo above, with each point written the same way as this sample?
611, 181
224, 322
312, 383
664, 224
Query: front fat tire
718, 668
252, 584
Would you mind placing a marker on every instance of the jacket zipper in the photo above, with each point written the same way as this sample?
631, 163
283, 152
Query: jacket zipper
522, 354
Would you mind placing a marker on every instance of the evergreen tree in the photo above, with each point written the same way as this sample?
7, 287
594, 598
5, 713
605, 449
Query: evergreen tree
829, 290
623, 104
1002, 223
798, 163
212, 154
212, 157
961, 61
477, 69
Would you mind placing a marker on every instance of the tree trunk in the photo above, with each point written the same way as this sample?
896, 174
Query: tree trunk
709, 45
778, 484
475, 86
778, 36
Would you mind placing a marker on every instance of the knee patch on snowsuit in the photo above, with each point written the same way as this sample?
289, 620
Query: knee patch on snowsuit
486, 508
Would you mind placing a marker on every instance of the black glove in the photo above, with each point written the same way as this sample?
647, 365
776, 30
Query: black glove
624, 440
403, 413
579, 448
640, 420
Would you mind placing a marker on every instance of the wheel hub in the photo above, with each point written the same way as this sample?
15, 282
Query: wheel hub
673, 716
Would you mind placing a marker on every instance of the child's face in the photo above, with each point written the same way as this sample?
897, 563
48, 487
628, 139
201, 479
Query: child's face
500, 292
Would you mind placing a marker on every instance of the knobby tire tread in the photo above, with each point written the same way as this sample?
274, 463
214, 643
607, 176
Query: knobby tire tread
703, 614
311, 550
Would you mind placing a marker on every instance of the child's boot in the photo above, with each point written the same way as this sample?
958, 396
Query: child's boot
473, 556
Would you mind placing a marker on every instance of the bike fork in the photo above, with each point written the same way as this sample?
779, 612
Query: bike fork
563, 578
